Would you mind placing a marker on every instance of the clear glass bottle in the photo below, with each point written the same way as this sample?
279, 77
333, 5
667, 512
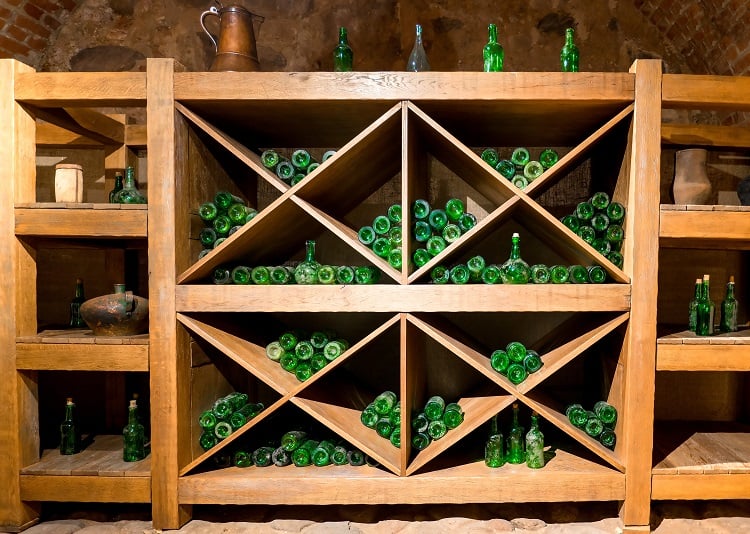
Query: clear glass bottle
307, 271
515, 270
129, 193
534, 444
417, 61
569, 53
493, 53
343, 56
728, 322
134, 438
76, 321
117, 188
70, 437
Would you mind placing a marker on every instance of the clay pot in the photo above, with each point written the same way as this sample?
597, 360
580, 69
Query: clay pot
118, 314
691, 184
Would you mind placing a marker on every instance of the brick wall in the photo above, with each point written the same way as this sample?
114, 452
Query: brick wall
27, 26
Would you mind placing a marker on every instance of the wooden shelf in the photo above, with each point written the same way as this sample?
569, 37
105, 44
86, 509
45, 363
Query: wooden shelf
685, 351
104, 221
565, 478
96, 474
701, 460
80, 350
400, 298
682, 226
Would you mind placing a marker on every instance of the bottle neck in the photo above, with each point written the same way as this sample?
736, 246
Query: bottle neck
310, 254
493, 425
132, 415
569, 37
130, 181
342, 36
493, 33
515, 249
730, 291
69, 411
419, 34
79, 290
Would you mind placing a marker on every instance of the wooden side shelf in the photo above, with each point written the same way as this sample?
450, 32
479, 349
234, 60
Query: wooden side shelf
566, 477
106, 221
96, 474
701, 461
704, 226
684, 351
80, 350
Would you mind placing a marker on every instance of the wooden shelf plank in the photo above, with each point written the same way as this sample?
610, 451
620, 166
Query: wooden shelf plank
90, 89
688, 91
401, 298
565, 478
705, 135
69, 221
131, 489
82, 351
704, 227
684, 351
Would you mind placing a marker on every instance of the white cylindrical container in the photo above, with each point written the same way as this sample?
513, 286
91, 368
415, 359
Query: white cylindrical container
68, 182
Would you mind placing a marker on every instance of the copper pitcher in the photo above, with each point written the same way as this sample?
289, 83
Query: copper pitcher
235, 46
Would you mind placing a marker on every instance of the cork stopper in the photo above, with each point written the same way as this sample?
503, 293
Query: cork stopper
731, 279
698, 280
69, 400
133, 404
516, 234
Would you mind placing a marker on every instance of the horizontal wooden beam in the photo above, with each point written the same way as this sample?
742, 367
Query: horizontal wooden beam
87, 89
695, 91
705, 135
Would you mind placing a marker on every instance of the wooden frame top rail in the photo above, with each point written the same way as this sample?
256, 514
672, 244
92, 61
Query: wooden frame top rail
88, 89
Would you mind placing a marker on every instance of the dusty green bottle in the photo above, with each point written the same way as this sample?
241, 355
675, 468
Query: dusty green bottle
491, 274
578, 274
540, 274
693, 305
270, 158
534, 444
307, 271
344, 274
728, 322
569, 53
129, 193
343, 56
355, 457
134, 438
515, 454
242, 459
292, 440
436, 429
434, 407
117, 187
384, 403
76, 320
70, 438
302, 456
520, 156
608, 438
548, 158
489, 155
453, 415
263, 456
440, 274
321, 455
369, 416
532, 362
494, 455
280, 457
339, 456
384, 427
577, 415
515, 270
493, 53
459, 274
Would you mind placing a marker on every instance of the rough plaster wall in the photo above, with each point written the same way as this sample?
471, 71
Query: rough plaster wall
299, 35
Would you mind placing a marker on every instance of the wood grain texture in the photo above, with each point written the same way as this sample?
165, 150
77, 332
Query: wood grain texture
693, 91
705, 135
83, 488
684, 351
642, 248
693, 228
82, 356
92, 89
19, 441
84, 222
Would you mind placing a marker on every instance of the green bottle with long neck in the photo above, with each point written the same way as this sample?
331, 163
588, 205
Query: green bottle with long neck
343, 56
534, 444
728, 321
515, 270
569, 53
493, 53
515, 454
134, 438
70, 438
307, 271
494, 455
76, 321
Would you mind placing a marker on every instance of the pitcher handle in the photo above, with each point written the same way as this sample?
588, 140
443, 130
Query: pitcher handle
211, 11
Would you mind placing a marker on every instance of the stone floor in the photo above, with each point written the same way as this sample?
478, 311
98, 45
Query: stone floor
714, 517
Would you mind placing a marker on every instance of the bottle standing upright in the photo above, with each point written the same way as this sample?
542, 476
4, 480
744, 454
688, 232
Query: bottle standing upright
134, 436
693, 306
76, 321
569, 53
729, 309
535, 444
70, 437
418, 58
493, 54
343, 56
515, 452
117, 188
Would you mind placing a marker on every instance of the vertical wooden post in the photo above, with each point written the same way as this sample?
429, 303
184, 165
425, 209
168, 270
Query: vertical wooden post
19, 442
642, 228
169, 351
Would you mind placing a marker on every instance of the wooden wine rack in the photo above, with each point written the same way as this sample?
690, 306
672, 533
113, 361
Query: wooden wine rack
399, 137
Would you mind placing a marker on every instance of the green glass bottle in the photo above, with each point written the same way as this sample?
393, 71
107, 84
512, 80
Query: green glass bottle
506, 168
270, 158
326, 274
117, 188
459, 274
344, 274
594, 425
207, 440
422, 231
285, 171
240, 418
288, 361
224, 199
334, 349
451, 233
207, 420
366, 274
434, 408
454, 208
532, 170
420, 441
577, 415
602, 246
302, 455
517, 373
489, 155
394, 213
597, 274
129, 193
70, 438
453, 415
491, 274
534, 444
222, 276
355, 457
572, 222
728, 321
569, 53
292, 440
616, 213
260, 275
420, 209
301, 159
693, 305
587, 233
207, 237
421, 256
516, 351
608, 438
532, 362
369, 416
343, 56
381, 247
417, 61
263, 456
339, 456
241, 275
384, 403
440, 274
395, 415
494, 455
222, 225
304, 350
280, 457
704, 326
384, 427
395, 259
437, 219
585, 211
500, 361
133, 436
615, 234
435, 245
540, 274
606, 413
600, 222
381, 224
493, 53
520, 181
279, 275
515, 454
327, 155
548, 158
578, 274
520, 157
515, 270
436, 429
616, 258
242, 459
467, 222
76, 320
318, 361
303, 371
395, 235
307, 271
395, 437
600, 200
419, 422
321, 455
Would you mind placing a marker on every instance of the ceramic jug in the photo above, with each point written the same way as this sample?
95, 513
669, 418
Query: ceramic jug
118, 314
691, 182
235, 46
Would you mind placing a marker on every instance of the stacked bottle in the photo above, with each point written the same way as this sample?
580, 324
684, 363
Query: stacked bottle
599, 422
519, 169
300, 449
599, 222
516, 362
384, 237
434, 421
293, 169
222, 216
520, 448
702, 310
435, 229
304, 354
383, 415
228, 414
